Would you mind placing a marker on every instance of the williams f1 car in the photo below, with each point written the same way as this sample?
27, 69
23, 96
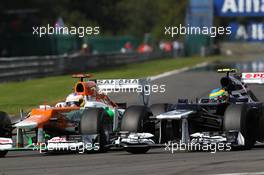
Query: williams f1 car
231, 116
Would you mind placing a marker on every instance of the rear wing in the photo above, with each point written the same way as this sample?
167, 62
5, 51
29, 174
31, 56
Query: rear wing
227, 71
253, 77
139, 86
111, 85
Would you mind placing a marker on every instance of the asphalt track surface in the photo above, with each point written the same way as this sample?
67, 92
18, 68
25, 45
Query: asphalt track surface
156, 161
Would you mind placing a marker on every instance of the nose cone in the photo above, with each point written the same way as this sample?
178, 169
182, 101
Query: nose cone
26, 124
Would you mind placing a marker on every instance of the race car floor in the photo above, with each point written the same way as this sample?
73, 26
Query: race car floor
156, 161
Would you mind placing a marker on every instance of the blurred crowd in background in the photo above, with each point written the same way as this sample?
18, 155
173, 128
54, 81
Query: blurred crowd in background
125, 26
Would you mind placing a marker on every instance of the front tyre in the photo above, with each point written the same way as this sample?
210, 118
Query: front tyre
97, 121
135, 119
5, 129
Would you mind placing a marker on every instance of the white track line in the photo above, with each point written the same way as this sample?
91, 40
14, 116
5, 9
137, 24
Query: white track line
177, 71
245, 173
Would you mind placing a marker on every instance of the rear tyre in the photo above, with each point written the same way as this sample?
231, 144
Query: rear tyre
96, 121
261, 125
135, 119
239, 117
5, 129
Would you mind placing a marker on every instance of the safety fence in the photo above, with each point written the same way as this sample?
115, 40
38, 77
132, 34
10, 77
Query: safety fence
22, 68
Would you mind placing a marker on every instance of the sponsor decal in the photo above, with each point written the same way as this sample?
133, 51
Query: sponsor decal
58, 139
253, 75
250, 32
118, 82
239, 7
5, 141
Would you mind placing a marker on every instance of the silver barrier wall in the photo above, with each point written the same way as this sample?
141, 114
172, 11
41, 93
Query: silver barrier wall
21, 68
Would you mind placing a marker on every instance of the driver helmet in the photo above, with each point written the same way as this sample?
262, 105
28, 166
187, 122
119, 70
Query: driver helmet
218, 95
74, 100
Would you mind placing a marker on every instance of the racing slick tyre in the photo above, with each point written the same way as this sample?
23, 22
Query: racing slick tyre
137, 149
240, 117
5, 129
168, 130
135, 118
260, 133
159, 108
97, 121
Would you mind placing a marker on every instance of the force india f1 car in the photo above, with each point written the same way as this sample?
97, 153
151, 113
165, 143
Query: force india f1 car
88, 121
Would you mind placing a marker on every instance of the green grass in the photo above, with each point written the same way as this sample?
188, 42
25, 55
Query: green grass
28, 94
